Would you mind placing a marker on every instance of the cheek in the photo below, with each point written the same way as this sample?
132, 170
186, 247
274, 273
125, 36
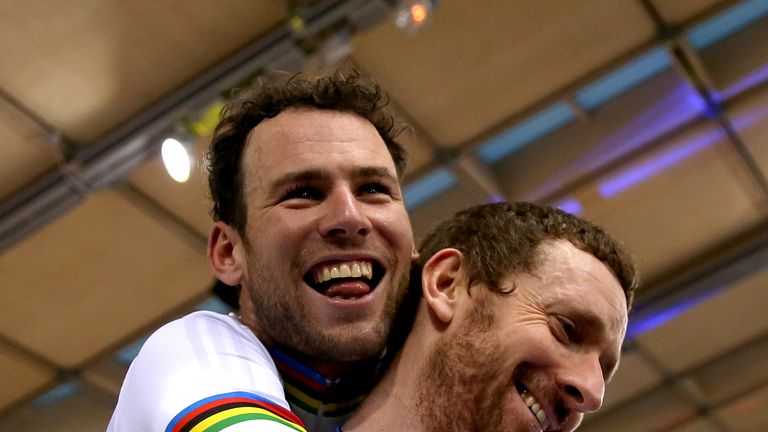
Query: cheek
283, 225
396, 225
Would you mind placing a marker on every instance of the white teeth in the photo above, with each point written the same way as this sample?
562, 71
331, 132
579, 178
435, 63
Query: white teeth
345, 270
528, 399
535, 408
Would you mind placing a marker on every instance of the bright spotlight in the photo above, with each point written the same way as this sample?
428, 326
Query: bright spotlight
412, 15
418, 13
176, 159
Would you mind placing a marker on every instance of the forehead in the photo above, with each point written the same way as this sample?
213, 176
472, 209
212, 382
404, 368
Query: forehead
570, 280
306, 138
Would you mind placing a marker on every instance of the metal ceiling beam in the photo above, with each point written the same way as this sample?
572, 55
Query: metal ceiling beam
120, 151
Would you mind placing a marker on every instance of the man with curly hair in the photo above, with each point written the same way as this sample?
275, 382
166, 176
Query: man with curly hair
519, 324
310, 224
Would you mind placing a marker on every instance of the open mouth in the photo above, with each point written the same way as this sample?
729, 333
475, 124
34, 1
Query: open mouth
533, 405
345, 280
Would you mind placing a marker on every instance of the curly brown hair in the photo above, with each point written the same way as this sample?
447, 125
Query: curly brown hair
501, 239
339, 91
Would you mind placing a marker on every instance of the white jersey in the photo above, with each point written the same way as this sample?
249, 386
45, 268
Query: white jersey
202, 373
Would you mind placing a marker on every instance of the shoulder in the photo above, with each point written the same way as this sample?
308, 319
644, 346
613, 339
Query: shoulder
197, 359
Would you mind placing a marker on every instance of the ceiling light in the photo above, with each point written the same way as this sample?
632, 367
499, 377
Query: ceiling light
412, 15
176, 159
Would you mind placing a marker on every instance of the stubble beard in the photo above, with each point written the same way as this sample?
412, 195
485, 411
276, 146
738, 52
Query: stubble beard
460, 389
282, 314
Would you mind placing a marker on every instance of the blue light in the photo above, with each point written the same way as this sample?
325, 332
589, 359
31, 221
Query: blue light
214, 304
638, 173
727, 23
61, 391
570, 205
427, 187
680, 105
530, 129
622, 79
128, 353
757, 77
641, 322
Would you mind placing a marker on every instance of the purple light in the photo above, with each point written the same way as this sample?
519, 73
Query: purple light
755, 78
667, 114
570, 205
638, 173
641, 322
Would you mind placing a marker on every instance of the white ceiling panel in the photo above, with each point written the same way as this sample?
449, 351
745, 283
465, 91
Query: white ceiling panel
87, 262
658, 410
419, 149
85, 410
85, 66
497, 57
443, 206
678, 11
25, 152
729, 319
619, 127
106, 375
666, 206
635, 375
20, 377
734, 372
697, 425
749, 116
739, 61
747, 414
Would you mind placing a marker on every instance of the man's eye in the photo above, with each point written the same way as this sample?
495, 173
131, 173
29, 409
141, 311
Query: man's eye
374, 188
566, 330
303, 193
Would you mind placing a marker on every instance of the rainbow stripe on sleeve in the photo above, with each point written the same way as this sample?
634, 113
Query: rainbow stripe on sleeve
215, 413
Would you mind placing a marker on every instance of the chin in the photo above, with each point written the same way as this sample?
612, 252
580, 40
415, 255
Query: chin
354, 343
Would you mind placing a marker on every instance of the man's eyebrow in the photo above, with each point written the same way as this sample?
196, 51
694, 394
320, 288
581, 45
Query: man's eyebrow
590, 320
374, 171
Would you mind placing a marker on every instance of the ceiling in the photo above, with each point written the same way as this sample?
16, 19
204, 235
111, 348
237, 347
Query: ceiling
649, 117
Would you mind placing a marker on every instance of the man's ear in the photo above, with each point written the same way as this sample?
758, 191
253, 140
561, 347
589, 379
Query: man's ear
443, 283
226, 254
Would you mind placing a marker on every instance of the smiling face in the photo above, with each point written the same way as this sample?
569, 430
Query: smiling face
328, 241
535, 359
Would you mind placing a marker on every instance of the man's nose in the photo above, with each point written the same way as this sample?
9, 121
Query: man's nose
344, 215
582, 384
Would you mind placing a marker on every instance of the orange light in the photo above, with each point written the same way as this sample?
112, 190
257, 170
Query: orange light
419, 13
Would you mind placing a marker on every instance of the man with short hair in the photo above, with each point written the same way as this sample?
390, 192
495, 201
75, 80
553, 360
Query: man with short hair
310, 224
520, 325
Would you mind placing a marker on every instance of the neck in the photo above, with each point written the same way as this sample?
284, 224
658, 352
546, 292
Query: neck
331, 370
393, 400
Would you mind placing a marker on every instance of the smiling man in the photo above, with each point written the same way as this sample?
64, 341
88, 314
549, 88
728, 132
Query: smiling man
311, 225
520, 326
